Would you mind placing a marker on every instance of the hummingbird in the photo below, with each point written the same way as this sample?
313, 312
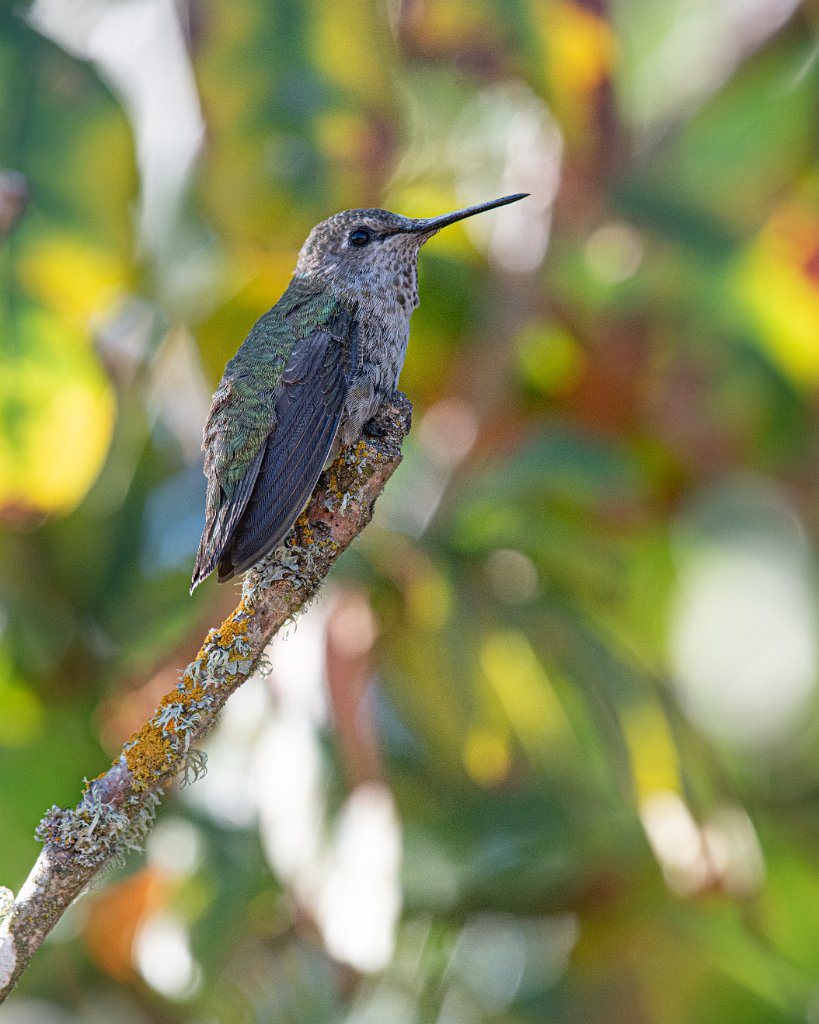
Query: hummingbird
312, 373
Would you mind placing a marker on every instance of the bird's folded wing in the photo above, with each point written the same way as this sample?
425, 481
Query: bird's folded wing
308, 408
217, 534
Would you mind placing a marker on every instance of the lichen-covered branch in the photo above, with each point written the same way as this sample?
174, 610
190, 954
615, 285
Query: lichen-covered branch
118, 808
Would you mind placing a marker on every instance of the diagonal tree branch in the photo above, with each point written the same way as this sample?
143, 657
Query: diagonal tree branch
118, 808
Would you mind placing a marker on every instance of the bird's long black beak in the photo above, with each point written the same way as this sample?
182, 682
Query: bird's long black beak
429, 225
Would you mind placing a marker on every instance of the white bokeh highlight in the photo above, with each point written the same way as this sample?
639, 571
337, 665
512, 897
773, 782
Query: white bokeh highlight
163, 957
140, 50
507, 141
359, 902
742, 632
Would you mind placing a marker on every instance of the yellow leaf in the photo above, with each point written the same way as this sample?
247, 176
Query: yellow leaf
581, 47
56, 411
654, 761
72, 278
486, 756
581, 52
429, 600
525, 692
778, 280
349, 41
22, 716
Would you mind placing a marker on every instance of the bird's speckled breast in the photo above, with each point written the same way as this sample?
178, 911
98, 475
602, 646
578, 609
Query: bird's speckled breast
384, 303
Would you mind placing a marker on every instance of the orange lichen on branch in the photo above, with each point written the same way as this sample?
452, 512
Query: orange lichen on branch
150, 755
233, 627
304, 535
332, 483
179, 705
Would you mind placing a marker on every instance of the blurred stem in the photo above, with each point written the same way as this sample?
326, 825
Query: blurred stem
351, 634
118, 807
18, 87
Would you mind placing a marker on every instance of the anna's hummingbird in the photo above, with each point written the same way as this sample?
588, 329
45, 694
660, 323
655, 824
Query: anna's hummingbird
312, 372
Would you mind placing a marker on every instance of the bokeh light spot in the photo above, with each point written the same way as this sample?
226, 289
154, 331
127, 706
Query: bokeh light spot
550, 358
512, 575
614, 252
486, 757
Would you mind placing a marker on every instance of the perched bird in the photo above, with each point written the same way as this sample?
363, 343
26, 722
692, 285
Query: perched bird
311, 374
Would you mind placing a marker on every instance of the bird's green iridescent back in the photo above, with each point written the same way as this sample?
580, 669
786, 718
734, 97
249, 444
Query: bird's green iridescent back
242, 415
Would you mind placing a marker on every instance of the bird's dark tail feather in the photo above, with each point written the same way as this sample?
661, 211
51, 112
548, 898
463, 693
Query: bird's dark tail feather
203, 566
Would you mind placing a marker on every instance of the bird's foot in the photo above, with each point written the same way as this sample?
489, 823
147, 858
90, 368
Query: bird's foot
372, 428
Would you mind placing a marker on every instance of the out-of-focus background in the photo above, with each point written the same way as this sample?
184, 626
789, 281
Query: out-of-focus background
548, 746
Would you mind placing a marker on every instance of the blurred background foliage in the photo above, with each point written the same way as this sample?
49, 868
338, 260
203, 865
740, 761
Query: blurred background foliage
547, 747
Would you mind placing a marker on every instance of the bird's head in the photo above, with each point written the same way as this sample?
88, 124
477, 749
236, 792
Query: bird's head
360, 251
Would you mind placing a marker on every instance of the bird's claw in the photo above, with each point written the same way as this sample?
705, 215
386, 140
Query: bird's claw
372, 428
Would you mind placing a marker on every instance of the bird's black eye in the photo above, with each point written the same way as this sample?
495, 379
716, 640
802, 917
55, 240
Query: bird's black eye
359, 237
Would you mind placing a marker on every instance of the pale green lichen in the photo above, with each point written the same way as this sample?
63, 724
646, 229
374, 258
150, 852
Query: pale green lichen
92, 832
6, 901
194, 767
96, 833
103, 813
176, 719
280, 564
